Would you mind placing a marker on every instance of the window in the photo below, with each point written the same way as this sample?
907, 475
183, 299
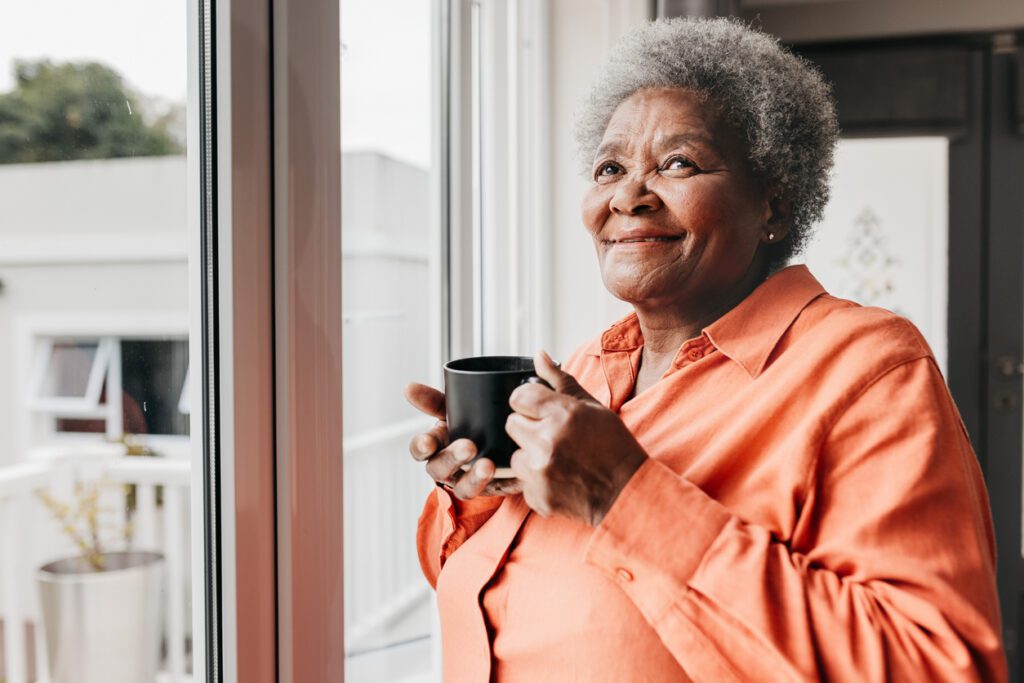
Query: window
444, 254
94, 337
113, 386
69, 375
391, 251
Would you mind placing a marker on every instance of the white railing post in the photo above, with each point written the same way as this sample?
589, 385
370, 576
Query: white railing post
14, 624
145, 517
173, 557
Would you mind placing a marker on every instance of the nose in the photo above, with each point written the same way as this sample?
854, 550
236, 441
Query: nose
633, 197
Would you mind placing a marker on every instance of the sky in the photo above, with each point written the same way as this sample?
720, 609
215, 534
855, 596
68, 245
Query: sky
385, 68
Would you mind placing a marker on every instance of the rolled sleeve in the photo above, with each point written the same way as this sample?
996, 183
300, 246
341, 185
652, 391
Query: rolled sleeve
655, 536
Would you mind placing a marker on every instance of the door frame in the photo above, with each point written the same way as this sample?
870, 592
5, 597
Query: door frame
264, 164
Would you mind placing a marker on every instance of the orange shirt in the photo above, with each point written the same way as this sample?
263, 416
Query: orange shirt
811, 510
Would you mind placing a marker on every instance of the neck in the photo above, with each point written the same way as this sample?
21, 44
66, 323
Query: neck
665, 325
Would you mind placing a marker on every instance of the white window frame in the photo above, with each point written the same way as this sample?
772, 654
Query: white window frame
185, 399
499, 174
86, 405
36, 424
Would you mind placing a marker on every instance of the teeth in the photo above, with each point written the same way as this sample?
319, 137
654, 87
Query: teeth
646, 239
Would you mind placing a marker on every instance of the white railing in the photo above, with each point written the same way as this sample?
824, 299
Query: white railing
16, 482
387, 598
164, 529
384, 494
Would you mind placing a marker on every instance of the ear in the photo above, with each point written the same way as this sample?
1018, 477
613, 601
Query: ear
777, 217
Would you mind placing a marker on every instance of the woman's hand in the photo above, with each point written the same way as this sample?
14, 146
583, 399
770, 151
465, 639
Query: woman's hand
445, 460
575, 455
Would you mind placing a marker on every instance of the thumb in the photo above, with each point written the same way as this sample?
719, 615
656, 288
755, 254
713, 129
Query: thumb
561, 381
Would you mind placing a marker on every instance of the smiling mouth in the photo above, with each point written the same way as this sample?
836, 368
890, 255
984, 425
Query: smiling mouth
638, 240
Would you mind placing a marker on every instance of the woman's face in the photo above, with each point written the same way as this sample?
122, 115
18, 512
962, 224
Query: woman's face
675, 213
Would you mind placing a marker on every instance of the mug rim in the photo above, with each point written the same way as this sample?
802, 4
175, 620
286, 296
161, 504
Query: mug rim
448, 366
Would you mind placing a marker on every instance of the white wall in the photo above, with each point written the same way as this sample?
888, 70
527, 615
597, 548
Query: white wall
85, 240
64, 199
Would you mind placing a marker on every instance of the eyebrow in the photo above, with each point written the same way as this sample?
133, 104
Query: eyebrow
661, 143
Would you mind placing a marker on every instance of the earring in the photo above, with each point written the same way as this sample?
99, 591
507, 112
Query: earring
771, 236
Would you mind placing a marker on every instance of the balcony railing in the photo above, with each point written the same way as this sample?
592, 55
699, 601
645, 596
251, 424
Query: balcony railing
156, 527
388, 601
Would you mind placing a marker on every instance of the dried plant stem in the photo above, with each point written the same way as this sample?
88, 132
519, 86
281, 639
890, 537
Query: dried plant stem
88, 542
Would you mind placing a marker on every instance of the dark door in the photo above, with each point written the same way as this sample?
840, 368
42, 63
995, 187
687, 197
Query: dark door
963, 99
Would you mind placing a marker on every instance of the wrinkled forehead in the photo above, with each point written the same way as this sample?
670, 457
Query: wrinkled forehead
653, 119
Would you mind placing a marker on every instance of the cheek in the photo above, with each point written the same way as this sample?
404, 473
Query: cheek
714, 212
594, 209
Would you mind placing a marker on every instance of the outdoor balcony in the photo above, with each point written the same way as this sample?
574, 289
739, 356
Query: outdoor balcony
389, 615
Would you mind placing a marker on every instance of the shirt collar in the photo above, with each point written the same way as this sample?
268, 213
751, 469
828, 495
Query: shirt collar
749, 332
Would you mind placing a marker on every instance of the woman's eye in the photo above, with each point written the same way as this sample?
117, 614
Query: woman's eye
678, 164
607, 169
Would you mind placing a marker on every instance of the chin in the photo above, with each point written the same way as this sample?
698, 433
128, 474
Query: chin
638, 290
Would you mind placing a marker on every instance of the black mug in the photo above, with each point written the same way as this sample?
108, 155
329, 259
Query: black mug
476, 393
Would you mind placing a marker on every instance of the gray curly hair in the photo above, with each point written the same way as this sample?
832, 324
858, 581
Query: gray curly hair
779, 102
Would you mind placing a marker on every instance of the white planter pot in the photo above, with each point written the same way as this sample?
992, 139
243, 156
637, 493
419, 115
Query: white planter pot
103, 627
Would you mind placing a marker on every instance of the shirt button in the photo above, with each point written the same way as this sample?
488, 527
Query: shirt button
624, 574
694, 354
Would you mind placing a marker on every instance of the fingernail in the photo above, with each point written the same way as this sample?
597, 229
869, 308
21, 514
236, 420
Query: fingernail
422, 445
463, 454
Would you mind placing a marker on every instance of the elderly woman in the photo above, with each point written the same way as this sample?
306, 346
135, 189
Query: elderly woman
745, 479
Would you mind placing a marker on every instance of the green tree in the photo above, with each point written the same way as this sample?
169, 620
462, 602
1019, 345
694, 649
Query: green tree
80, 110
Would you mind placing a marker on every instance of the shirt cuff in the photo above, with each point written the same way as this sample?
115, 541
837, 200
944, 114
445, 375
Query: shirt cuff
655, 536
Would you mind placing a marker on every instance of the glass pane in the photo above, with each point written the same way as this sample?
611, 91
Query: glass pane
388, 250
68, 370
152, 376
878, 247
94, 243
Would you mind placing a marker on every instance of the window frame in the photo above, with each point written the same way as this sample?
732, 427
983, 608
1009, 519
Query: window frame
264, 110
504, 155
265, 195
107, 370
86, 405
29, 329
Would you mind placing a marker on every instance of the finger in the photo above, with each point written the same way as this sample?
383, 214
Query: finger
446, 466
524, 431
503, 487
562, 382
473, 483
523, 469
529, 400
425, 399
430, 442
517, 463
527, 463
